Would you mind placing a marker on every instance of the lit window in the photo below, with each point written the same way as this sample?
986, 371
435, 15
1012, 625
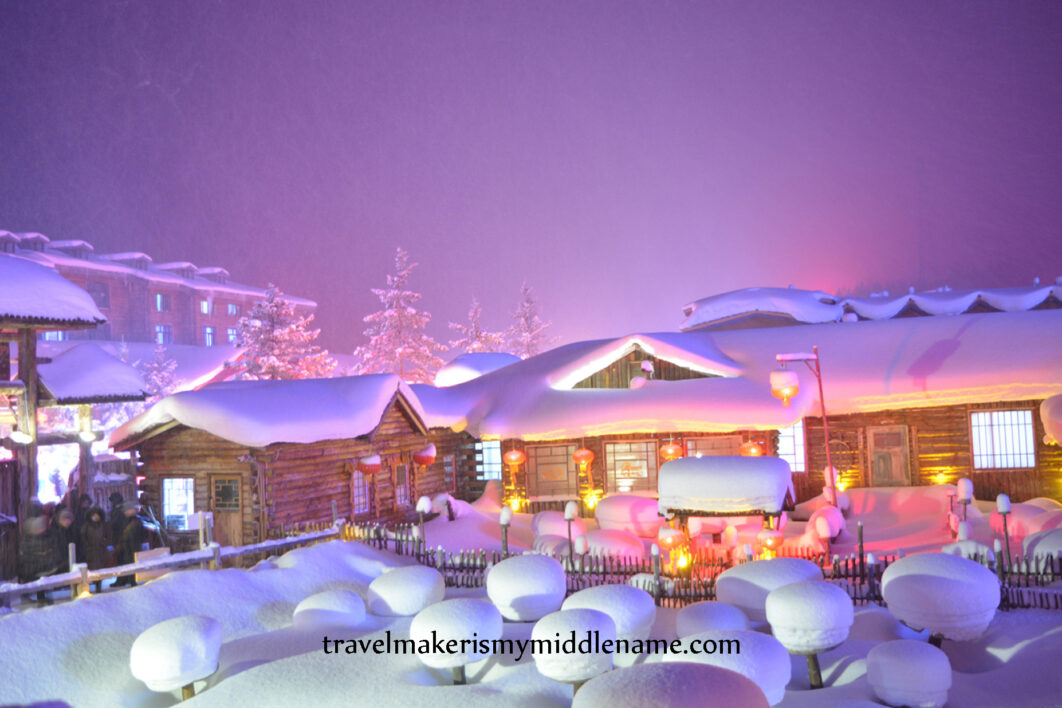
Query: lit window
233, 309
163, 334
630, 466
56, 336
208, 336
791, 446
232, 334
401, 485
450, 473
718, 445
488, 460
1002, 440
204, 307
178, 500
162, 302
360, 493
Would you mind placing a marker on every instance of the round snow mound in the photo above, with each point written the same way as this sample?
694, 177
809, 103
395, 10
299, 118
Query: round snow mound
629, 512
1021, 521
756, 656
810, 616
948, 595
1044, 543
670, 685
580, 666
708, 615
405, 591
176, 652
456, 619
827, 522
747, 585
906, 672
551, 545
553, 523
631, 608
527, 588
614, 543
330, 608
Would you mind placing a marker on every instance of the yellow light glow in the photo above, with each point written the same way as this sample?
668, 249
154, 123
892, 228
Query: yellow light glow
591, 499
682, 560
841, 485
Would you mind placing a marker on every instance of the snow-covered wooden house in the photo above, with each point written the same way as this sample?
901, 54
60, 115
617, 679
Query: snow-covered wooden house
261, 455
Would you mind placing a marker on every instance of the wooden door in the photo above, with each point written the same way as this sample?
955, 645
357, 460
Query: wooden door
888, 456
226, 500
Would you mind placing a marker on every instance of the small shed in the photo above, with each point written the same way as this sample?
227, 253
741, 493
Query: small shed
261, 455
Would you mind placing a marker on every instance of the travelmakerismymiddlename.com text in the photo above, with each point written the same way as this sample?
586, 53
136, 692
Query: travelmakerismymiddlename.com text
572, 643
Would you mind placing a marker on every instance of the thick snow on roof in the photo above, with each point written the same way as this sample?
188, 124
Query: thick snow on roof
472, 365
87, 374
260, 413
32, 293
1051, 415
890, 364
801, 305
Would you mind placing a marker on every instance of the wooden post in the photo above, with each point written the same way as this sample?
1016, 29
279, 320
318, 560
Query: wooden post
71, 556
505, 539
188, 692
656, 573
459, 675
1006, 540
27, 420
862, 554
335, 513
814, 671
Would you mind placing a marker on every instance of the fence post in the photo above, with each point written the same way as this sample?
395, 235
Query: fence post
335, 513
655, 550
71, 556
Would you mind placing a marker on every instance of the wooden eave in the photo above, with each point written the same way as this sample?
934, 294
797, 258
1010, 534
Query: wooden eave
131, 442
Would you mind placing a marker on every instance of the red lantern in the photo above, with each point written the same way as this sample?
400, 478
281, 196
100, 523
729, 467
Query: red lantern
583, 457
514, 458
426, 456
671, 451
751, 448
369, 465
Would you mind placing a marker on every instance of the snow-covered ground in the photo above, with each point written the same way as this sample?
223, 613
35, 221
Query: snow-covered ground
78, 652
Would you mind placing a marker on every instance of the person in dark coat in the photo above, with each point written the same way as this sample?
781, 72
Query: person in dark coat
132, 539
95, 541
37, 553
117, 518
63, 533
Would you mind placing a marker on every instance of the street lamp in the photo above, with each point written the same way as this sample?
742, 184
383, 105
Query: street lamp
785, 385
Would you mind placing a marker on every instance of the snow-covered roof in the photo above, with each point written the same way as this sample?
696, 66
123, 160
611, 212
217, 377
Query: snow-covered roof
126, 256
261, 413
867, 366
72, 245
472, 365
800, 305
87, 374
33, 294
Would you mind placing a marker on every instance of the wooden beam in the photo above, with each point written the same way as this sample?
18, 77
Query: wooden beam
27, 419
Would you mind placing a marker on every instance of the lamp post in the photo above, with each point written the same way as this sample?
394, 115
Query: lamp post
785, 385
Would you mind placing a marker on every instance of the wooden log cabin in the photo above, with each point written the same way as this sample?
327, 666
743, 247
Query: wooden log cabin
264, 455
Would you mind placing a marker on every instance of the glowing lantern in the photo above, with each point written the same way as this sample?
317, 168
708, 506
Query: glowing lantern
784, 385
751, 449
514, 458
671, 451
583, 457
369, 465
426, 456
591, 499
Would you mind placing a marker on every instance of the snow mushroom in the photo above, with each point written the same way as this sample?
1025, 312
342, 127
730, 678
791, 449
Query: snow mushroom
670, 685
629, 512
949, 595
330, 608
614, 543
708, 615
460, 618
905, 672
747, 585
527, 588
631, 608
405, 591
553, 523
810, 617
176, 653
578, 667
756, 656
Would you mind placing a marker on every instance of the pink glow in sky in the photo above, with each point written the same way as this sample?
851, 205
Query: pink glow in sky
624, 158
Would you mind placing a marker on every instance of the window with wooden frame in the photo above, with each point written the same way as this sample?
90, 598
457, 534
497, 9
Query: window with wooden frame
449, 464
631, 466
717, 445
401, 485
552, 471
791, 446
488, 459
178, 501
1002, 440
360, 500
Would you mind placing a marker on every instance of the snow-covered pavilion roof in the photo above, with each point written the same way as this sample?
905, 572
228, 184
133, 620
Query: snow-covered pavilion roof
800, 305
33, 294
261, 413
87, 374
471, 365
867, 366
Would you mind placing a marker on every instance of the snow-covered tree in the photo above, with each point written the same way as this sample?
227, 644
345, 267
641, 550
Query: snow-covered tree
473, 337
279, 343
397, 341
527, 335
160, 374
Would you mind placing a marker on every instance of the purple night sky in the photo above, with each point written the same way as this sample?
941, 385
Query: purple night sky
624, 158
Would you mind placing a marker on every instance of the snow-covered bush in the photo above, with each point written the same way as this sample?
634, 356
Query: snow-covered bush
950, 596
1044, 544
460, 618
1045, 522
708, 615
526, 588
827, 523
810, 617
629, 512
701, 525
1021, 520
1044, 503
330, 608
906, 672
631, 608
617, 544
553, 523
670, 685
724, 483
405, 591
747, 585
578, 667
551, 545
757, 656
176, 653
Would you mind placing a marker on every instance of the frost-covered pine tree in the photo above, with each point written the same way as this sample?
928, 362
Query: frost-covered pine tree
160, 374
397, 341
279, 343
473, 337
527, 335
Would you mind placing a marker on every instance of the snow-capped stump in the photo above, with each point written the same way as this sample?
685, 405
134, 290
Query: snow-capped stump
527, 588
629, 512
553, 523
747, 585
952, 597
176, 653
330, 608
461, 618
614, 543
724, 483
966, 547
808, 618
632, 609
827, 522
405, 591
708, 615
1044, 544
670, 685
551, 545
756, 656
905, 672
578, 667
